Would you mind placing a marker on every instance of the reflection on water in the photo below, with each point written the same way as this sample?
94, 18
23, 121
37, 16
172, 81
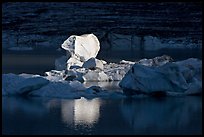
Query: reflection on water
67, 111
31, 106
166, 116
170, 115
80, 111
86, 111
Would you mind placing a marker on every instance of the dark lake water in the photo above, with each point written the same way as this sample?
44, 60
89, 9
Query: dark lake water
170, 115
142, 115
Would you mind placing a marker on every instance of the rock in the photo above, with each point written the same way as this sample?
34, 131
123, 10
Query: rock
81, 48
95, 76
169, 78
93, 64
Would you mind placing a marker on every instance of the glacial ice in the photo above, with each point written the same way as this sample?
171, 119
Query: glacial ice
148, 42
181, 77
61, 89
18, 84
81, 48
144, 77
41, 86
92, 75
93, 63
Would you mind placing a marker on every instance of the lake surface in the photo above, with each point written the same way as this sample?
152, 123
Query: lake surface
168, 115
142, 115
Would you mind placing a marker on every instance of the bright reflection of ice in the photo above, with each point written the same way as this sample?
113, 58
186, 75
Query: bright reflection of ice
86, 111
80, 111
67, 112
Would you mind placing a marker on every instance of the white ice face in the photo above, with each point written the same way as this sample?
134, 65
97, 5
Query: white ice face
69, 44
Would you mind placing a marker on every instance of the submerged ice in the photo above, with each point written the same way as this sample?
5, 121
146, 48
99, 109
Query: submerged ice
146, 76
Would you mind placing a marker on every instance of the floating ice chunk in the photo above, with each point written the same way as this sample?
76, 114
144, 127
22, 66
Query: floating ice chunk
168, 78
144, 79
55, 75
157, 61
104, 62
116, 75
191, 67
81, 48
126, 62
77, 85
93, 64
31, 84
10, 82
75, 74
96, 91
24, 75
60, 89
115, 71
74, 61
92, 75
146, 62
195, 87
85, 46
17, 84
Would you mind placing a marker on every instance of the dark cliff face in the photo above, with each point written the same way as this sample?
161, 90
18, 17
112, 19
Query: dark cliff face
49, 19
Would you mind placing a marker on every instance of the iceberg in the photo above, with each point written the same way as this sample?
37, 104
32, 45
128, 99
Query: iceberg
35, 85
156, 76
81, 48
93, 64
96, 91
147, 42
95, 76
61, 89
172, 78
13, 84
157, 61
